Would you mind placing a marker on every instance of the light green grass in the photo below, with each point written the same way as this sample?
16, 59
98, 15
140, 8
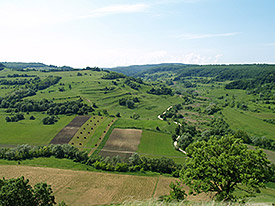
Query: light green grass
252, 125
164, 126
92, 138
31, 132
156, 144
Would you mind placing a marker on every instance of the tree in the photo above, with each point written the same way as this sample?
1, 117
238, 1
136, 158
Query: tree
222, 165
19, 192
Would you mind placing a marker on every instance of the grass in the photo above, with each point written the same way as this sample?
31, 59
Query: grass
28, 131
91, 135
156, 144
252, 125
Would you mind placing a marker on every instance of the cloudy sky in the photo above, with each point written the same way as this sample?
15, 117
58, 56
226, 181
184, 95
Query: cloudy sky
109, 33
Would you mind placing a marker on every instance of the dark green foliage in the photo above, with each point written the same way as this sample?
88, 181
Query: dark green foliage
50, 120
177, 193
271, 121
20, 193
222, 165
96, 69
15, 82
128, 101
17, 117
113, 75
52, 108
23, 152
161, 91
2, 66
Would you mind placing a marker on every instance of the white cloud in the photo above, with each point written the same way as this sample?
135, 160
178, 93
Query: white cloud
203, 36
117, 9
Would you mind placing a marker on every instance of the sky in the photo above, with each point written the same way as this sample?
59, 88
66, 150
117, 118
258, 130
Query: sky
109, 33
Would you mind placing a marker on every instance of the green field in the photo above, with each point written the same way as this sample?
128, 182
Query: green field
92, 136
252, 125
156, 144
28, 131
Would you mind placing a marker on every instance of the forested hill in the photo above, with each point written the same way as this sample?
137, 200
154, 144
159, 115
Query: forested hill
33, 65
219, 72
135, 70
2, 66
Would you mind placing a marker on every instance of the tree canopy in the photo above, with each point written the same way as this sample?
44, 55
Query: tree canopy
223, 165
19, 192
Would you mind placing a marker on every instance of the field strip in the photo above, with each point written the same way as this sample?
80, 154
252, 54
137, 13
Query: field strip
102, 137
67, 133
83, 188
156, 185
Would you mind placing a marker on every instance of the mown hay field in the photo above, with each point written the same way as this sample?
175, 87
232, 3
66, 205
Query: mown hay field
81, 188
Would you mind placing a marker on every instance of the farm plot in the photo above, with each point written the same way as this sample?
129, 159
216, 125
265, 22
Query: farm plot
87, 137
83, 188
67, 133
122, 142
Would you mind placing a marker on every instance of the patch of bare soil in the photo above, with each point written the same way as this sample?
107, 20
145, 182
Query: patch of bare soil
67, 133
122, 142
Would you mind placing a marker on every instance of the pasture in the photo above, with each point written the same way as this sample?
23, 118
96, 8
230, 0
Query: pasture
122, 142
156, 144
28, 131
245, 121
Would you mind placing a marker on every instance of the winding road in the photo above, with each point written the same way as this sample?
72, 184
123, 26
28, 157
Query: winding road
177, 123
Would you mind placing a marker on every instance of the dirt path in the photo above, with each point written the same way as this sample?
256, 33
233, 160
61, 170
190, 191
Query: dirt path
177, 123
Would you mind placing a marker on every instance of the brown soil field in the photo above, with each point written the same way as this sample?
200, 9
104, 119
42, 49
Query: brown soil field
122, 142
81, 188
67, 133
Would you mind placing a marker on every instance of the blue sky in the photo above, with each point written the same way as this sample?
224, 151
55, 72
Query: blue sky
109, 33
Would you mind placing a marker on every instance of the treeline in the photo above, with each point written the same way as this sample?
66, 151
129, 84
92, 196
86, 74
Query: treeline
161, 91
44, 105
251, 84
113, 75
135, 163
29, 89
17, 75
262, 142
129, 102
218, 72
2, 66
15, 82
186, 134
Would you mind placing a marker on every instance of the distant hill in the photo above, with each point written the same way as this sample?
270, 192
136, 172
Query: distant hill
33, 65
134, 70
2, 66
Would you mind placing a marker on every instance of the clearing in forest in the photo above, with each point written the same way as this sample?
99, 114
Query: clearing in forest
67, 133
122, 142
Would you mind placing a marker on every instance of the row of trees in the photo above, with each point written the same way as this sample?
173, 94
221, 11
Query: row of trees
128, 101
161, 91
134, 163
15, 118
52, 108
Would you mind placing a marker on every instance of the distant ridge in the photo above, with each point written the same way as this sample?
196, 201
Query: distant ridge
135, 69
33, 65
